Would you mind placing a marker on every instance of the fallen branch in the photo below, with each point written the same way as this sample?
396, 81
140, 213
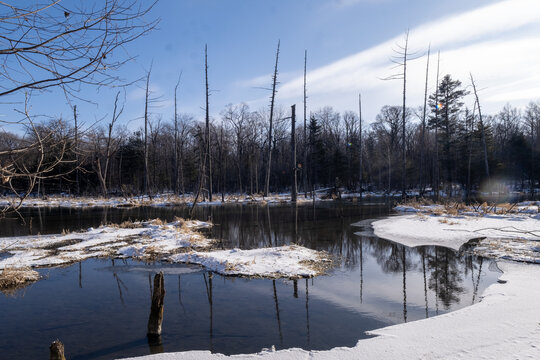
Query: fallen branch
505, 229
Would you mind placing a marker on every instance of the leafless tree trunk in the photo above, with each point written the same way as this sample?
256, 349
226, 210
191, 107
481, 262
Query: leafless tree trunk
484, 146
361, 169
207, 129
437, 175
294, 190
76, 149
176, 171
404, 112
304, 169
470, 130
423, 134
270, 135
147, 94
102, 171
401, 57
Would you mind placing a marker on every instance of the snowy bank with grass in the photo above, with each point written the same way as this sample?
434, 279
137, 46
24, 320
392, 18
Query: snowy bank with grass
177, 242
507, 232
159, 200
141, 240
290, 261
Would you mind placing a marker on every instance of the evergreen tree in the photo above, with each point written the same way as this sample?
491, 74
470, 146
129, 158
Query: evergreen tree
447, 104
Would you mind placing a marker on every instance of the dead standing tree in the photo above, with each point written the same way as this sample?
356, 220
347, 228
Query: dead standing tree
176, 176
207, 128
304, 171
294, 186
102, 171
205, 163
146, 101
482, 128
360, 165
272, 100
401, 57
423, 133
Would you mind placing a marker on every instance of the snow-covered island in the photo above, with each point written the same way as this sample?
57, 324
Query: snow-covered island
505, 324
178, 242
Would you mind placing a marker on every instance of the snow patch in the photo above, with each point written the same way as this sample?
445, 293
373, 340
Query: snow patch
290, 261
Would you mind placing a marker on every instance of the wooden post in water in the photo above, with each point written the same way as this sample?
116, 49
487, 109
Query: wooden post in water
156, 311
57, 350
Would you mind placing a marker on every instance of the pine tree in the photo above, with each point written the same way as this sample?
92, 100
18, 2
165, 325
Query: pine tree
447, 103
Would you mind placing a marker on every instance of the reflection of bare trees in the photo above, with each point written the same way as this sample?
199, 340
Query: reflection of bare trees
209, 288
276, 302
446, 277
442, 270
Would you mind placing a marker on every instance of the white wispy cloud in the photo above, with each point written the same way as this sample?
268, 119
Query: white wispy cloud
499, 44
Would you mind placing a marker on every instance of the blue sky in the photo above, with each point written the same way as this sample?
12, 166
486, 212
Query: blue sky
349, 44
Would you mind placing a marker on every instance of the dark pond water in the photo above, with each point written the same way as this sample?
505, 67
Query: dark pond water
99, 308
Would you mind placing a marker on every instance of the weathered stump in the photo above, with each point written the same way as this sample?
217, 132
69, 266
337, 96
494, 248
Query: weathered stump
156, 311
57, 350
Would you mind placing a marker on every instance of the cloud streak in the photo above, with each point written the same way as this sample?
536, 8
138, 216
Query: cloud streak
493, 42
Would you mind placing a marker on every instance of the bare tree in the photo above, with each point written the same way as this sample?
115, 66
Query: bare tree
208, 161
402, 55
423, 134
482, 128
361, 168
436, 124
67, 45
105, 155
146, 103
304, 172
270, 134
34, 157
58, 45
176, 170
294, 189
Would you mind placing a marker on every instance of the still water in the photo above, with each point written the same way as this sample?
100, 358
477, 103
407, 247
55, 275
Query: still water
99, 308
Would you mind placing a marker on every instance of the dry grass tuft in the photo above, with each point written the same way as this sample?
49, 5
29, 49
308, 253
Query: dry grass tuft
13, 279
158, 222
417, 203
129, 225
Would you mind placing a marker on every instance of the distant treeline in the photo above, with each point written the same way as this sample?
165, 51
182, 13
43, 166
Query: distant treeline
452, 146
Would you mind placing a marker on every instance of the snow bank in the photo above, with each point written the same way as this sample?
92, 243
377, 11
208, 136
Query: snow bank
510, 236
286, 261
137, 240
157, 201
156, 241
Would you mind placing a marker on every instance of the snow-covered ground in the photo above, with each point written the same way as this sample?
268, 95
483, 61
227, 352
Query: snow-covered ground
505, 324
512, 234
285, 261
151, 239
177, 242
157, 200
